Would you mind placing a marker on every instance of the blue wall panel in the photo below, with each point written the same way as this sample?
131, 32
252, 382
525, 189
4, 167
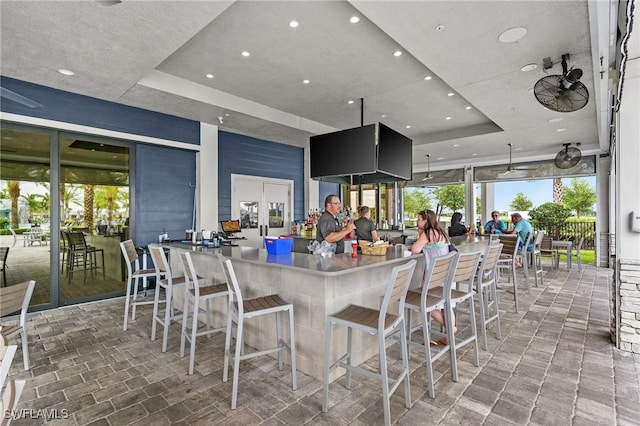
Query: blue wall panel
325, 189
164, 192
69, 107
254, 157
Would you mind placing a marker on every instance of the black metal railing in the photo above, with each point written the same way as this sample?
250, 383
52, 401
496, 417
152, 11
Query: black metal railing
571, 231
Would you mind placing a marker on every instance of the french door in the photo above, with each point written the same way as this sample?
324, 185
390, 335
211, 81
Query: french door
263, 205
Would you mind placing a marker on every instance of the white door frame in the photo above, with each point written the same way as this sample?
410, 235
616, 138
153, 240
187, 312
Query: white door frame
262, 180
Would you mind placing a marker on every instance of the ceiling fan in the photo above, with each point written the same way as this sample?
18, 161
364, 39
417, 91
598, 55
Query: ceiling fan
568, 157
562, 93
511, 168
428, 176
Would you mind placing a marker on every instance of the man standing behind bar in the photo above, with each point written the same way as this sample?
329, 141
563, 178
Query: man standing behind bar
329, 228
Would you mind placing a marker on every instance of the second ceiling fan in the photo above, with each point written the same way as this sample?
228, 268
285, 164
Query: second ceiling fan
511, 168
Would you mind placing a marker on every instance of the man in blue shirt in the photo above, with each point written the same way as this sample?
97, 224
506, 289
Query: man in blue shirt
522, 228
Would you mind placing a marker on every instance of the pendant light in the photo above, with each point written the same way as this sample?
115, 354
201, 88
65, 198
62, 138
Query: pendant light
428, 176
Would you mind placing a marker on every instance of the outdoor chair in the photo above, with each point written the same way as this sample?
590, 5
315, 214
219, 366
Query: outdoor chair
379, 323
4, 253
197, 290
439, 273
244, 309
486, 286
12, 299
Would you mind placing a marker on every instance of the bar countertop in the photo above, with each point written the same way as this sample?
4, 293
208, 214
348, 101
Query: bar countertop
333, 265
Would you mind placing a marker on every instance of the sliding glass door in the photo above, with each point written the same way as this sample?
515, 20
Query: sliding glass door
90, 203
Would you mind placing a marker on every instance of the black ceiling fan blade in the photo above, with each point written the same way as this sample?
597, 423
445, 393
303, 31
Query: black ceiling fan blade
550, 93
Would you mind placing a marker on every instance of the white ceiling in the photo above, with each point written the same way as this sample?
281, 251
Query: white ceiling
155, 55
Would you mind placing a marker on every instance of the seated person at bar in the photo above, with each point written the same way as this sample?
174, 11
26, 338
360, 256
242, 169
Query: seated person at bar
522, 228
365, 228
456, 229
495, 225
329, 228
433, 241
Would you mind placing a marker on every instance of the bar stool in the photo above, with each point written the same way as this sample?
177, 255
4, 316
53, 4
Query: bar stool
13, 299
524, 255
9, 400
245, 309
82, 254
194, 294
7, 352
379, 323
134, 274
465, 274
507, 261
536, 257
439, 273
488, 292
162, 269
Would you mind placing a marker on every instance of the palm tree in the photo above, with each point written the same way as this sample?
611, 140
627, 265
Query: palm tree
14, 194
109, 197
36, 204
557, 190
68, 195
89, 193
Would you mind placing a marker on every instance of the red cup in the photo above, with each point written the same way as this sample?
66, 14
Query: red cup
354, 249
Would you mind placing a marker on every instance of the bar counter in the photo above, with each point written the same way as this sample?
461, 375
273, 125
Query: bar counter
317, 286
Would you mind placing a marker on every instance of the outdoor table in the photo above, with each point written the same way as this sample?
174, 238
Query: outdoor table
568, 245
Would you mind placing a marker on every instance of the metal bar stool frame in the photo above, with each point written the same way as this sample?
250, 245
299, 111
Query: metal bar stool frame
162, 268
486, 286
244, 309
378, 323
465, 273
134, 274
439, 273
194, 294
507, 261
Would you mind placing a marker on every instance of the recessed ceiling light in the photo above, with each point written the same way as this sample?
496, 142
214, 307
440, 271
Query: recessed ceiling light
455, 145
397, 53
439, 27
383, 115
447, 118
512, 35
349, 102
209, 75
66, 72
529, 67
408, 126
440, 158
428, 78
354, 19
450, 94
561, 130
556, 120
294, 24
245, 53
474, 154
467, 108
306, 81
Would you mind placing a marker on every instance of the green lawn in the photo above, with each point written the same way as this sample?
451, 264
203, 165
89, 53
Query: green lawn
588, 257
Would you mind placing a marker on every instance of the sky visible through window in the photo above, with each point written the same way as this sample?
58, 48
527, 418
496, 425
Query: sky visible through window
538, 191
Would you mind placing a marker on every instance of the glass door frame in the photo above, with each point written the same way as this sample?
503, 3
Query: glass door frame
55, 136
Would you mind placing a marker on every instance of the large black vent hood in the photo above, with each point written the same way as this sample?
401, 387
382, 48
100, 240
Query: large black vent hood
374, 153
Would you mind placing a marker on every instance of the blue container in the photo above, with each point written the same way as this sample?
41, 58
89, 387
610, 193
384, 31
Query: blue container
279, 245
